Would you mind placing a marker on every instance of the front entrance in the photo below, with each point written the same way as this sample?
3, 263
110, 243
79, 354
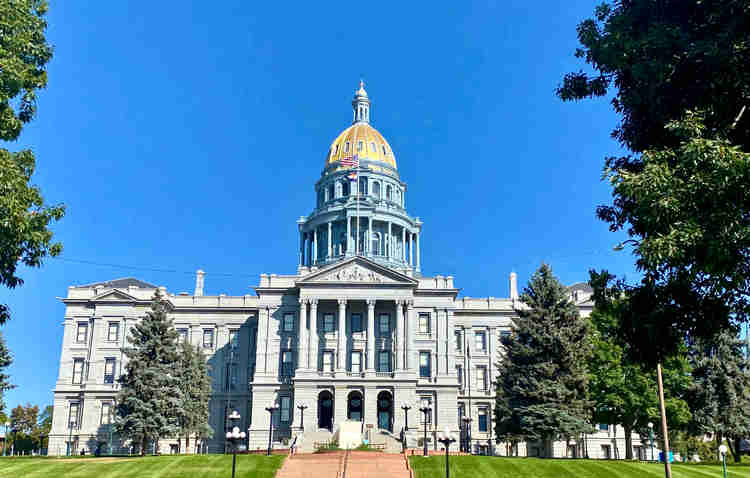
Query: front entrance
385, 411
354, 406
325, 410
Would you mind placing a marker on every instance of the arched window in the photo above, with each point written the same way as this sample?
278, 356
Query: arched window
345, 188
359, 146
373, 148
363, 186
376, 244
376, 189
338, 190
330, 192
346, 147
388, 193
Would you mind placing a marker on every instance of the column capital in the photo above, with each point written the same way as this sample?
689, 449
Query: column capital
409, 304
371, 302
304, 301
313, 302
342, 302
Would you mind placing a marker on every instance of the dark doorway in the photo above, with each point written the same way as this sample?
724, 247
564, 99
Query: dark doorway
385, 411
325, 410
354, 406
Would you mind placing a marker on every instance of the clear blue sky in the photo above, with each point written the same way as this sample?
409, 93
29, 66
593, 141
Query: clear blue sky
184, 137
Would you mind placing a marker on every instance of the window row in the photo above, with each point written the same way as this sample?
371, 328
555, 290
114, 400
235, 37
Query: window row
367, 187
480, 340
481, 378
361, 147
483, 412
109, 370
82, 332
183, 335
106, 415
328, 323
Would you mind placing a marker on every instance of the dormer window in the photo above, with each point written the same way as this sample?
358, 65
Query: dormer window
346, 147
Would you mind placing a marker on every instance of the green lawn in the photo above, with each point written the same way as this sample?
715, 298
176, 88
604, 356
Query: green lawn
186, 466
486, 467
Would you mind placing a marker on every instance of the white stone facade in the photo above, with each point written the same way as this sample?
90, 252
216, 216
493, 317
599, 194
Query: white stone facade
355, 334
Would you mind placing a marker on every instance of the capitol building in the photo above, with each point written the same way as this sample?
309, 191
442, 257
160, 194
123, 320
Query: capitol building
356, 339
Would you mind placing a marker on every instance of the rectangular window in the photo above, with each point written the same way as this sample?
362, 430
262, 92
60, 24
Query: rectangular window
424, 364
106, 413
424, 322
286, 406
480, 341
357, 362
78, 371
481, 378
384, 361
182, 335
426, 403
288, 322
482, 419
457, 335
604, 427
328, 361
287, 363
82, 332
460, 374
208, 338
328, 323
73, 415
113, 332
384, 323
356, 322
109, 370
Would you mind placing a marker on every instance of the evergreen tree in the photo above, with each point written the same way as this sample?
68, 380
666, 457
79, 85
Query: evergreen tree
150, 395
542, 384
195, 385
5, 361
720, 397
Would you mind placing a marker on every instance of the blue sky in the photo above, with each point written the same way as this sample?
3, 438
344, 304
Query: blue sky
184, 137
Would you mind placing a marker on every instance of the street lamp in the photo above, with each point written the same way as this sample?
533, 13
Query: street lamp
234, 437
426, 411
302, 416
467, 436
651, 438
270, 411
406, 407
446, 439
723, 451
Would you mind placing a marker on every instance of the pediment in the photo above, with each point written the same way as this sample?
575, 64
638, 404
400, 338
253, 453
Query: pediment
358, 270
114, 296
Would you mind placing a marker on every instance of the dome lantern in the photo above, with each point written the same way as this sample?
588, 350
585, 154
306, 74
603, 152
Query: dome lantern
361, 105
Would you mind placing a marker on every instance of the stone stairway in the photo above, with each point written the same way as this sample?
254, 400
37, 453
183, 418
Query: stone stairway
306, 441
317, 465
371, 464
384, 441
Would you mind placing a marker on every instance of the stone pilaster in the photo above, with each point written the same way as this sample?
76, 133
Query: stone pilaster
341, 362
303, 347
451, 350
399, 335
330, 250
261, 353
418, 262
410, 331
371, 335
411, 248
313, 353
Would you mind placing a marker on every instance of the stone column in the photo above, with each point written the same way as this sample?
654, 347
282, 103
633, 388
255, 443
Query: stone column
370, 335
451, 351
301, 248
348, 236
313, 352
399, 335
411, 248
341, 362
403, 244
389, 245
309, 249
302, 356
261, 361
409, 341
330, 250
490, 351
439, 351
315, 248
418, 264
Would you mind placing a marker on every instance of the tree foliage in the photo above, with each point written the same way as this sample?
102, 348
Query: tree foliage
195, 387
542, 383
720, 397
150, 393
24, 218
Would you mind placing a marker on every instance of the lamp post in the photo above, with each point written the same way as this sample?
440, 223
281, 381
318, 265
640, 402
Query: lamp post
302, 416
270, 411
5, 443
234, 437
467, 428
406, 407
426, 411
723, 451
446, 439
651, 438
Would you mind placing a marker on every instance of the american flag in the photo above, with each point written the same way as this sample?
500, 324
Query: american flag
351, 161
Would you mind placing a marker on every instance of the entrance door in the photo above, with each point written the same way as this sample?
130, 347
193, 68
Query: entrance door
354, 406
385, 411
325, 410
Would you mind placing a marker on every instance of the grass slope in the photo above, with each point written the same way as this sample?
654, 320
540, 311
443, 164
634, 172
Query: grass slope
184, 466
486, 467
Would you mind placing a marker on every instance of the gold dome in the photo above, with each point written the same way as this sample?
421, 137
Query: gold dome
367, 143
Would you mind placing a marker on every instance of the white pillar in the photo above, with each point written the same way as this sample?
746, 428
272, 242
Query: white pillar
370, 335
301, 248
418, 265
330, 251
261, 356
315, 248
341, 364
313, 353
411, 248
389, 246
399, 335
302, 346
409, 339
403, 244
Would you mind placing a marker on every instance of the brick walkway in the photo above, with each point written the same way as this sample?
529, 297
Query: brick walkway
360, 464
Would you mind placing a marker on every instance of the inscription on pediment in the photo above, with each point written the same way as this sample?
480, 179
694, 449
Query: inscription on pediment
354, 273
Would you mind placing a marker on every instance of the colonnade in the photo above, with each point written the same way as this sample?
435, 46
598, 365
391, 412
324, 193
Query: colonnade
401, 338
310, 241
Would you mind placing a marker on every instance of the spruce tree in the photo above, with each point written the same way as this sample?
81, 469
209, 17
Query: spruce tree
720, 396
541, 388
195, 385
150, 395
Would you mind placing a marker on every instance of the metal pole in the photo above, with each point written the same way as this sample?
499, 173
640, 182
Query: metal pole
665, 432
270, 411
234, 458
70, 439
724, 464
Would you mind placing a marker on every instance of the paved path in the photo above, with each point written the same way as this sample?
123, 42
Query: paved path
360, 464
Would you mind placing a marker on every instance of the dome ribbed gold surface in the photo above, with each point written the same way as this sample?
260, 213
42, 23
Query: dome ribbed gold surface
364, 141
